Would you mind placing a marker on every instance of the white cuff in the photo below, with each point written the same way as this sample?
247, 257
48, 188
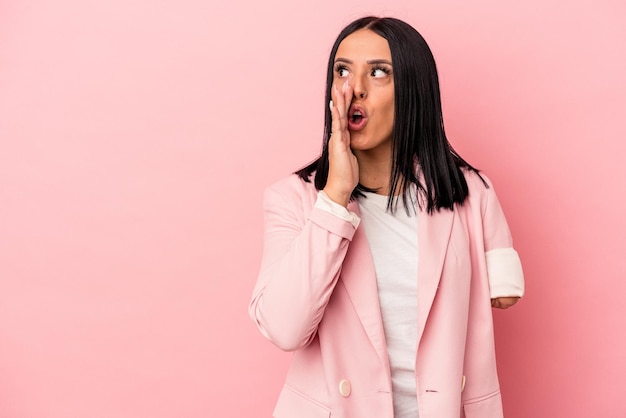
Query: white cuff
504, 268
325, 203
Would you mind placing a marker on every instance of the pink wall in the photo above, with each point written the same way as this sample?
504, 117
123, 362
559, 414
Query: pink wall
136, 138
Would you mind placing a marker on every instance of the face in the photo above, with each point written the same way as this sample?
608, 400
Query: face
364, 60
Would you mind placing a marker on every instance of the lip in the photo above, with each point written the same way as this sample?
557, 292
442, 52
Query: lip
357, 126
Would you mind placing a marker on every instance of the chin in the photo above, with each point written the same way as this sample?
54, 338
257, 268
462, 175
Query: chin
360, 142
359, 146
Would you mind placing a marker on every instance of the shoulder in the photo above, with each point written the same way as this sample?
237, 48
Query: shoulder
293, 183
483, 200
476, 182
291, 189
481, 189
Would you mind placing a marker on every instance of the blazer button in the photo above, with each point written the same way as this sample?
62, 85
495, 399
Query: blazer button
463, 383
345, 388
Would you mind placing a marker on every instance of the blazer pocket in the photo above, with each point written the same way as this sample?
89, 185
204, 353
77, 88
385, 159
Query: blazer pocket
294, 404
489, 406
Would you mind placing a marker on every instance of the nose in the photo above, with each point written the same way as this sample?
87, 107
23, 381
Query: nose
359, 86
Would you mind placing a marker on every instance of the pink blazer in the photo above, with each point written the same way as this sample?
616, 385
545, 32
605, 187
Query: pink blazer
316, 295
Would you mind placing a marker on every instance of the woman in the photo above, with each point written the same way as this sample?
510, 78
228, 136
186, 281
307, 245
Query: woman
383, 257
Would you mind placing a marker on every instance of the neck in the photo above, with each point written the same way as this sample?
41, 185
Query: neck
375, 171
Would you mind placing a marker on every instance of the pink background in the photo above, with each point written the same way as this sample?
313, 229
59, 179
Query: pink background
137, 137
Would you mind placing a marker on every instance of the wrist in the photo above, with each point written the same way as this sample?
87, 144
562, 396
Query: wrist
341, 198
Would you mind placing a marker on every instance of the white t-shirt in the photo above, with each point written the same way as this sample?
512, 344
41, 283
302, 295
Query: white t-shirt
392, 238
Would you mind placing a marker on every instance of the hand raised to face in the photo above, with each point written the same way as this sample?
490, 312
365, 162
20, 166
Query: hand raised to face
343, 171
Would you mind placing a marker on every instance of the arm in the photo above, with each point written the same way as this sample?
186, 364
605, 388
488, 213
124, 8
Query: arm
504, 268
504, 302
301, 262
302, 258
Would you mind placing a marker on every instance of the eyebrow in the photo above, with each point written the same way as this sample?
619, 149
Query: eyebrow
375, 61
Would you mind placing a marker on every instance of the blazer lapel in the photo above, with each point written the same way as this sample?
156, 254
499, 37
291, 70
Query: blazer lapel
433, 236
359, 275
359, 278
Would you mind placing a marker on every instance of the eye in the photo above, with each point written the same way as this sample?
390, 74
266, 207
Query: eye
341, 71
378, 72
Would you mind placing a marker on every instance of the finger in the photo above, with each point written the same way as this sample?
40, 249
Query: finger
335, 126
342, 101
348, 94
339, 121
339, 101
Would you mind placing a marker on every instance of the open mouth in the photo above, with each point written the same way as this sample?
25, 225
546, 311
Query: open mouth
357, 118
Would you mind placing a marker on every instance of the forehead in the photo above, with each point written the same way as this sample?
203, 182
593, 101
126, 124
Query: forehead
364, 44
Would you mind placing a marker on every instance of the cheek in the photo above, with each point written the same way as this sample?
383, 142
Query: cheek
339, 81
389, 112
389, 103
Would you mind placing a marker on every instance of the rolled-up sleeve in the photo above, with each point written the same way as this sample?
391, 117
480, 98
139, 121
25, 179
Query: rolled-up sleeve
504, 267
505, 273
